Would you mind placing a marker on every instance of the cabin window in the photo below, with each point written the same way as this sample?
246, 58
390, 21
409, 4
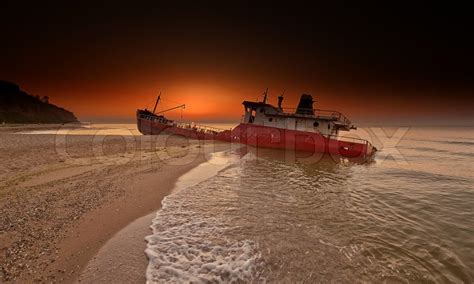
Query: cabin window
329, 126
270, 119
252, 116
261, 110
316, 124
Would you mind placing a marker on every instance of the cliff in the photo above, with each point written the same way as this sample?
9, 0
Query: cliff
16, 106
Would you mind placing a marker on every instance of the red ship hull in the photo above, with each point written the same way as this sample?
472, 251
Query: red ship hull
266, 137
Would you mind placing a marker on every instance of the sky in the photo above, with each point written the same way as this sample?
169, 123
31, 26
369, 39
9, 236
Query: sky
394, 62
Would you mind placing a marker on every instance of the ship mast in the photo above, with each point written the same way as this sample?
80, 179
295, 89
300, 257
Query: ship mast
157, 100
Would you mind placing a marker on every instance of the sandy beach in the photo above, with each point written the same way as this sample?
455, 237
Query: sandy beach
64, 197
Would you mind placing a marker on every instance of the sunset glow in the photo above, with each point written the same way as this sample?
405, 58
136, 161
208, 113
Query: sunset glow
213, 61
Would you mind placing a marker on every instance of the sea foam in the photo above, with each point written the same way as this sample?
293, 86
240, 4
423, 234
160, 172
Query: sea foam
190, 244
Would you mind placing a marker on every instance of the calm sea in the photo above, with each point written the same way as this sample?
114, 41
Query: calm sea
406, 216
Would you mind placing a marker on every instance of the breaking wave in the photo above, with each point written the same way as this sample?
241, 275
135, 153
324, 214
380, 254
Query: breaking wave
190, 244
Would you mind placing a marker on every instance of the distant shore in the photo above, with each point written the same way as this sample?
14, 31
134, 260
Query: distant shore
61, 203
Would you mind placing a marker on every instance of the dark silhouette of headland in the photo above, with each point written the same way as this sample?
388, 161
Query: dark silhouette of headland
17, 106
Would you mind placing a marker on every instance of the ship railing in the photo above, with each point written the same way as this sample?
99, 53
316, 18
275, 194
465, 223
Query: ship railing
198, 127
155, 118
190, 126
321, 113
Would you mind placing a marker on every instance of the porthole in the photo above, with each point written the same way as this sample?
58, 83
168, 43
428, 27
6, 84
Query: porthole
270, 119
261, 110
316, 124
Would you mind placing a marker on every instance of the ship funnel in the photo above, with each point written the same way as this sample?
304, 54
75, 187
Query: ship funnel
280, 100
305, 106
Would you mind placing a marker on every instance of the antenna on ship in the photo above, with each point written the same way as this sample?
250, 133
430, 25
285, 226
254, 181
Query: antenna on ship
265, 96
157, 100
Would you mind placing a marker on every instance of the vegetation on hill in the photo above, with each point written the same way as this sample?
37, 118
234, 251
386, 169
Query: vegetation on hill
16, 106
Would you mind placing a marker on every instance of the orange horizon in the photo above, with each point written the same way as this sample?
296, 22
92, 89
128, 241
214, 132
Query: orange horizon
222, 102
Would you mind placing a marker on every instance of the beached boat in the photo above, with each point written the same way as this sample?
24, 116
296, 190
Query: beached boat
264, 125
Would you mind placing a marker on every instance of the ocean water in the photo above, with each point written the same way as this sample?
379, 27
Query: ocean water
258, 215
110, 129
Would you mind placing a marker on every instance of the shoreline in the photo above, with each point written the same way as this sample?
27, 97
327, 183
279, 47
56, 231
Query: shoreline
126, 218
134, 227
59, 211
101, 225
122, 258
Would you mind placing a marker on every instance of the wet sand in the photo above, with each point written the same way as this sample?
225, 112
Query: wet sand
122, 258
63, 197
